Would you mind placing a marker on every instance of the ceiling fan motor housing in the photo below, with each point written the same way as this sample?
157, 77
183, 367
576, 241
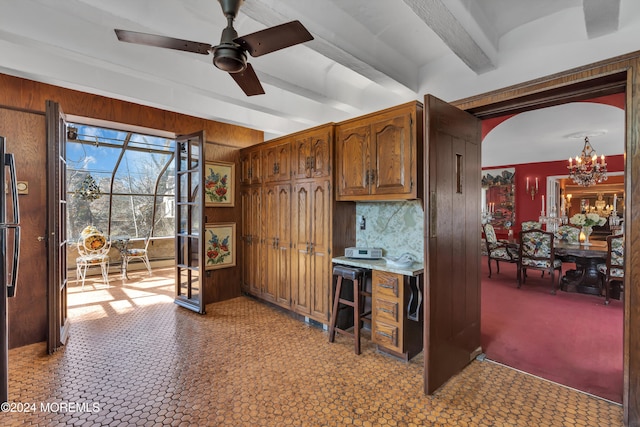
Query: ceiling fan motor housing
229, 58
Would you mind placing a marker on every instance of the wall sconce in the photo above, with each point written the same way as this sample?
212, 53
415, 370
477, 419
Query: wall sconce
532, 189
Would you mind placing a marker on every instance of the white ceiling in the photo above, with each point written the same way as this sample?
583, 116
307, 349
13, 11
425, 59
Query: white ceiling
366, 55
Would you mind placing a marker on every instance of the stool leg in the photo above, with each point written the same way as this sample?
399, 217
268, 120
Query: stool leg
334, 313
356, 314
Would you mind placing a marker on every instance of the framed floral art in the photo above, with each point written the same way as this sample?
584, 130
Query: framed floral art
220, 245
219, 184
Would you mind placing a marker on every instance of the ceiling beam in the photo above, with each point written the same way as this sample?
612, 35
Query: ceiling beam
601, 17
264, 13
440, 19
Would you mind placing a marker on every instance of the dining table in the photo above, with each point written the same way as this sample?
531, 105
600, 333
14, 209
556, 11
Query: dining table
585, 277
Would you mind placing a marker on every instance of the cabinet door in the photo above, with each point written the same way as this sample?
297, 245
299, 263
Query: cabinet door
277, 162
301, 162
352, 173
245, 239
245, 167
301, 237
255, 168
283, 247
272, 229
392, 144
320, 153
321, 249
256, 270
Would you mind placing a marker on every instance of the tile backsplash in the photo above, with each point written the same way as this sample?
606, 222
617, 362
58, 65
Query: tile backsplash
396, 227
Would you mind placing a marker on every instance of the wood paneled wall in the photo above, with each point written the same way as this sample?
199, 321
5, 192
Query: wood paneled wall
29, 95
224, 283
22, 122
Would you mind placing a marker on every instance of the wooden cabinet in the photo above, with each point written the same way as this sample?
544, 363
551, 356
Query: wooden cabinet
311, 228
251, 166
277, 162
396, 325
312, 154
277, 244
378, 156
291, 224
252, 231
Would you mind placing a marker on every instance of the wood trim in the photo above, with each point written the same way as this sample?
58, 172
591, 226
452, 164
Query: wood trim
622, 74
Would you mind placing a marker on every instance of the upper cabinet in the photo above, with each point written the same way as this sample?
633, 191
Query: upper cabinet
312, 153
378, 155
277, 161
250, 166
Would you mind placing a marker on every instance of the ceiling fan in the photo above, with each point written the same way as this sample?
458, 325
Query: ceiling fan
231, 54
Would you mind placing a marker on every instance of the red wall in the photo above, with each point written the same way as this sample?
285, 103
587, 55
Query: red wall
529, 210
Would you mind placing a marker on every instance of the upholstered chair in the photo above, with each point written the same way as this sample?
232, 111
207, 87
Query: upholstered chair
138, 253
613, 270
568, 233
528, 225
498, 250
536, 253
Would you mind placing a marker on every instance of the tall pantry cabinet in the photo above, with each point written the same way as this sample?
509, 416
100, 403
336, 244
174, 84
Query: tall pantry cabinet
291, 224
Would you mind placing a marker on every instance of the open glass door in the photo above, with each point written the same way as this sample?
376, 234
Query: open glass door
189, 222
56, 226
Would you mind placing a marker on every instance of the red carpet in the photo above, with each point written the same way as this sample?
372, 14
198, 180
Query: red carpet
572, 339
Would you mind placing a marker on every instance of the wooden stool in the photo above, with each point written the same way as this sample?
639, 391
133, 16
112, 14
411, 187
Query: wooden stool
359, 278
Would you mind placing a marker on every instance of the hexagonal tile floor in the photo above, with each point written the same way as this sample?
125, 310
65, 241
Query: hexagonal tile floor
136, 358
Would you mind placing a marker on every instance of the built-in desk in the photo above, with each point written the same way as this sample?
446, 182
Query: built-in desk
397, 319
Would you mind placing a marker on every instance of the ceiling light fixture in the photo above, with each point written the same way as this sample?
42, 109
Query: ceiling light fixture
586, 170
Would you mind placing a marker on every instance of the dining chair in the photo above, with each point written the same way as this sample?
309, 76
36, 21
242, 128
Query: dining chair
137, 253
613, 269
568, 233
498, 250
536, 253
529, 225
93, 247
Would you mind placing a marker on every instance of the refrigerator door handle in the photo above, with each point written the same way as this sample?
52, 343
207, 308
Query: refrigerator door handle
10, 161
11, 287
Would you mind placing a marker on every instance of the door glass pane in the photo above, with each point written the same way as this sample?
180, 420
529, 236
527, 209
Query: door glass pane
195, 154
194, 246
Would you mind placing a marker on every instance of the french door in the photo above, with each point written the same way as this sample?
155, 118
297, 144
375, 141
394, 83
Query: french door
190, 222
56, 238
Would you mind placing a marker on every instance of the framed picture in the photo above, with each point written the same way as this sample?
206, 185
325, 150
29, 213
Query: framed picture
219, 184
220, 245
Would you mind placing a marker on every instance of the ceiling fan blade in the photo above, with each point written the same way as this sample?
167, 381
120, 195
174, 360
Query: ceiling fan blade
163, 41
274, 38
248, 81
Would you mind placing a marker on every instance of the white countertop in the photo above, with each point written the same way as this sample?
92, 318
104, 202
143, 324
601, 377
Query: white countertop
380, 264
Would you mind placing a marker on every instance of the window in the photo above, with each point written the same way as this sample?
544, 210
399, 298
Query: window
121, 182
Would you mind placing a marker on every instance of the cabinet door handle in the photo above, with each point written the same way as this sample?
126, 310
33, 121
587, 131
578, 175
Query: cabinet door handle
312, 163
386, 310
384, 285
386, 335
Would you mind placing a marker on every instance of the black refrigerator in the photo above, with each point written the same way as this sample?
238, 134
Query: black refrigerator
9, 256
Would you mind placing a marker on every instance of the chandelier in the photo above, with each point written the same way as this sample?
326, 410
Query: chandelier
586, 170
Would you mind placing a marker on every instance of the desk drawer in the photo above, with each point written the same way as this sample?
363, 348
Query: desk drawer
386, 310
386, 283
386, 335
